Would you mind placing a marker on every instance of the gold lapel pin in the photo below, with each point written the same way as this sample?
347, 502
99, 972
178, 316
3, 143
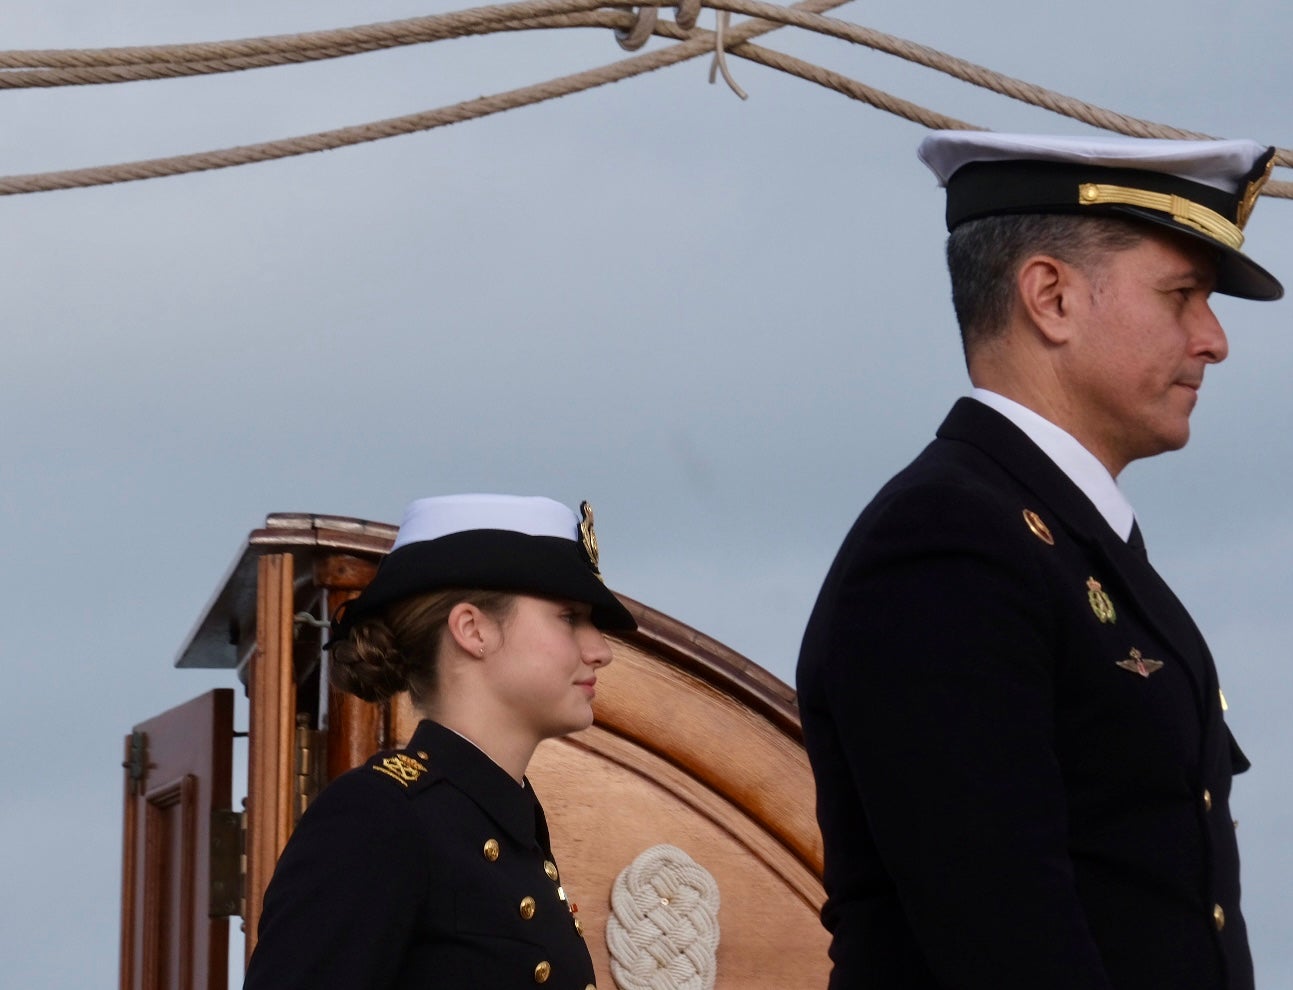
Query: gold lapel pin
1038, 528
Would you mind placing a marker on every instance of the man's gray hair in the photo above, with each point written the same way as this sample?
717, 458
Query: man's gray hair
983, 258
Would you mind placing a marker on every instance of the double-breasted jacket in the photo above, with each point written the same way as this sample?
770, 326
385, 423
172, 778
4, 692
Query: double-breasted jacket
426, 867
1016, 729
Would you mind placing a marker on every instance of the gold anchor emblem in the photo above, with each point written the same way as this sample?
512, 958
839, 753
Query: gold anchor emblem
1101, 604
1138, 664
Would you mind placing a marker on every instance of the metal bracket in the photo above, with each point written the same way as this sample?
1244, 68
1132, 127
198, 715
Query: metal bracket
311, 768
228, 864
136, 765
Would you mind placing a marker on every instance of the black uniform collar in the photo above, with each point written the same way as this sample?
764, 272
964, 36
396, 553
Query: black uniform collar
452, 758
974, 423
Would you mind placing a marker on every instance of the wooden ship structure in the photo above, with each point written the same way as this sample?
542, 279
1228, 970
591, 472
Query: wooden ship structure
693, 746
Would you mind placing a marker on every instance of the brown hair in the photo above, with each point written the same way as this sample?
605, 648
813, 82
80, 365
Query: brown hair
398, 649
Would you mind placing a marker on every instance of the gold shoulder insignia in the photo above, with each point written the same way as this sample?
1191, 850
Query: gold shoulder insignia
1038, 528
401, 768
1138, 664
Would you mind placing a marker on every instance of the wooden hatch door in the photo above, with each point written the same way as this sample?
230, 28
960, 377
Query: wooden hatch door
178, 767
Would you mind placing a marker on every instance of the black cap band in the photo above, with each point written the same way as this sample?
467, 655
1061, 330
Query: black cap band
489, 559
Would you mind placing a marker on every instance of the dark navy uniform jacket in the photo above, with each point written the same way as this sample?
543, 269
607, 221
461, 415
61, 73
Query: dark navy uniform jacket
1022, 766
428, 867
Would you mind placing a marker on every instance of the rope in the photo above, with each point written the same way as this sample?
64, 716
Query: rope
663, 929
696, 46
720, 57
369, 37
44, 68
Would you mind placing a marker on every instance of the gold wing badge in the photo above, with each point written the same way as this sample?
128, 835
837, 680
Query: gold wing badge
1141, 665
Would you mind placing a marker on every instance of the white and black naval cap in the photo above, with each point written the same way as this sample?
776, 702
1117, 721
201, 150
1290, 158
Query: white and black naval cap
526, 544
1205, 190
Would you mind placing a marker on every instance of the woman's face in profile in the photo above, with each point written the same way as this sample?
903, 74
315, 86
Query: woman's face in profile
545, 669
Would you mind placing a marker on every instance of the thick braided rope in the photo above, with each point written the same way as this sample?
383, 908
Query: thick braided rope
50, 68
663, 928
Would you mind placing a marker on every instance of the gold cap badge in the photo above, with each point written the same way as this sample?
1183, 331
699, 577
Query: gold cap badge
1254, 189
1101, 604
1138, 664
588, 537
1038, 528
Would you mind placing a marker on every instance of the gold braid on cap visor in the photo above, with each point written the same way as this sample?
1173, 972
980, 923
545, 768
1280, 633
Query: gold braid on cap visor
1182, 210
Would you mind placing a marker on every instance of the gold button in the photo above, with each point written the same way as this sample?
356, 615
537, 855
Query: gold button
542, 972
1207, 800
1218, 917
527, 908
579, 928
422, 755
550, 868
491, 850
591, 986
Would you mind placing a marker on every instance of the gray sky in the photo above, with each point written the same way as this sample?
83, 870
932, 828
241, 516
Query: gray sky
725, 323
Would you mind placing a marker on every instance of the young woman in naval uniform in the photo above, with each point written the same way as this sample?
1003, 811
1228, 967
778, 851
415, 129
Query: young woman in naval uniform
431, 866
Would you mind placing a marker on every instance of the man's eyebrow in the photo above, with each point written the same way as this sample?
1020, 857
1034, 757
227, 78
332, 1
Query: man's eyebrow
1197, 274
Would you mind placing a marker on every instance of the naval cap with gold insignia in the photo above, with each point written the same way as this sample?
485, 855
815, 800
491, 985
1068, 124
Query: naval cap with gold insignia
1204, 190
526, 544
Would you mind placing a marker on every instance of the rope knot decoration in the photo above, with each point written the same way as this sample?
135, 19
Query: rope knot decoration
663, 928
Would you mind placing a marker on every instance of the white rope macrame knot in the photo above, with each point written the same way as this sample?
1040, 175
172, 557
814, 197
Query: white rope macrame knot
663, 928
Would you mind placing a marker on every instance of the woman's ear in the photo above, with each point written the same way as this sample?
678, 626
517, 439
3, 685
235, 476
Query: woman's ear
1046, 291
470, 628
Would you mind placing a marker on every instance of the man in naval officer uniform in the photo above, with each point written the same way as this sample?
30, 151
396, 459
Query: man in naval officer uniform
1017, 731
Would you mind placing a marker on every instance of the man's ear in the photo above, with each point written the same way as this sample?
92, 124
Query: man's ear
1046, 288
469, 627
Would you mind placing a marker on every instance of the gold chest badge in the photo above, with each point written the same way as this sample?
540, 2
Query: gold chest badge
1101, 603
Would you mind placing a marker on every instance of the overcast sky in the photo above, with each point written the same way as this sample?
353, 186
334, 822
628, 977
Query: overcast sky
725, 323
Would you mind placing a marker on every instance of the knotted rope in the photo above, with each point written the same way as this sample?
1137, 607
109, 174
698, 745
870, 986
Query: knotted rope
634, 22
663, 928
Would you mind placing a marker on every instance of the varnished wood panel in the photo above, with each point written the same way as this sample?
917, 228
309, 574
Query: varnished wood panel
271, 770
167, 940
608, 801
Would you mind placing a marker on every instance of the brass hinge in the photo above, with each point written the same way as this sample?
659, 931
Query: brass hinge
228, 864
311, 750
136, 765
